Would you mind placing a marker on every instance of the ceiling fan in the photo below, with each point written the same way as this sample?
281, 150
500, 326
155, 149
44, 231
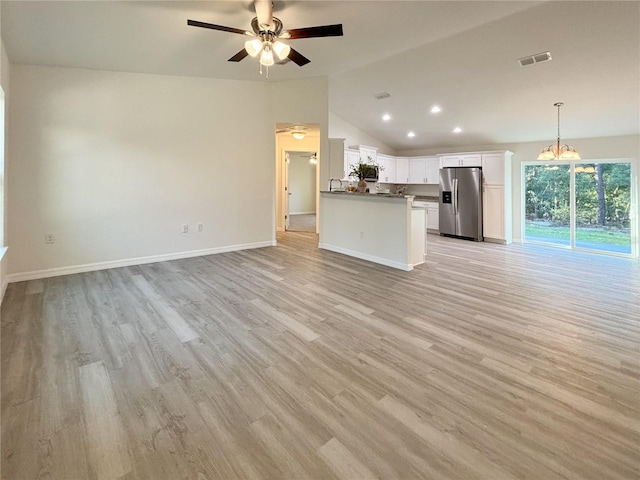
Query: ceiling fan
268, 32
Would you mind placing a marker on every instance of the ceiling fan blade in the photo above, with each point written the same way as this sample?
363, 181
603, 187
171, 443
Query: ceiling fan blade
312, 32
238, 56
196, 23
298, 58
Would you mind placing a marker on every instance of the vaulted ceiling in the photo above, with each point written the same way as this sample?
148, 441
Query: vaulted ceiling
459, 55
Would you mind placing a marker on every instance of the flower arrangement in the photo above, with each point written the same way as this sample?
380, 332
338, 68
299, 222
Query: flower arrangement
364, 170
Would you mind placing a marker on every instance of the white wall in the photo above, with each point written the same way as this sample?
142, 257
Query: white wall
114, 163
627, 146
340, 128
302, 184
4, 84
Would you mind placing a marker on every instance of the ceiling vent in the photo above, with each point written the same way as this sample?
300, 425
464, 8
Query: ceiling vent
382, 95
536, 58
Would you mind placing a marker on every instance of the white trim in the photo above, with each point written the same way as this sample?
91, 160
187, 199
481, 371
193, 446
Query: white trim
407, 267
91, 267
312, 212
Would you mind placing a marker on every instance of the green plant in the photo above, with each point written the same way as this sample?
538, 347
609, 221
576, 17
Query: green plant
364, 169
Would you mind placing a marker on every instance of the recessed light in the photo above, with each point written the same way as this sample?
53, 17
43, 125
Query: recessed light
436, 109
386, 117
411, 134
457, 130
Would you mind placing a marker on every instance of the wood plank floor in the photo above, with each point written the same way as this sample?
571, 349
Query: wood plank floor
487, 362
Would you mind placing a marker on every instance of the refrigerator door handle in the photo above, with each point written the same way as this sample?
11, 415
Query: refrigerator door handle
455, 196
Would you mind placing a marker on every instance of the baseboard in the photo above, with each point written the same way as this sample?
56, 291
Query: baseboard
3, 290
407, 267
92, 267
302, 213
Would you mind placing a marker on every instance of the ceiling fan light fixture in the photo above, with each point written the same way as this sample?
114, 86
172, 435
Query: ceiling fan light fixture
253, 47
282, 50
266, 57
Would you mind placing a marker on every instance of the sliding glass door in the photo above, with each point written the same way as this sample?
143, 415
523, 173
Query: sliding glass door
548, 204
584, 205
603, 206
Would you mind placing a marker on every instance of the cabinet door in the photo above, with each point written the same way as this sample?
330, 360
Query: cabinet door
433, 170
351, 159
368, 154
473, 160
493, 168
433, 222
493, 211
450, 161
402, 170
387, 168
417, 170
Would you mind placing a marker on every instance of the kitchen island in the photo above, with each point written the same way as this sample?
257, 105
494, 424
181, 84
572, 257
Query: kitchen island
381, 228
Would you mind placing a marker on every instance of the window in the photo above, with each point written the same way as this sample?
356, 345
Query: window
585, 206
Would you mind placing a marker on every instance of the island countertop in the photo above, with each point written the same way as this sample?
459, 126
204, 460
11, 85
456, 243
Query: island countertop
367, 195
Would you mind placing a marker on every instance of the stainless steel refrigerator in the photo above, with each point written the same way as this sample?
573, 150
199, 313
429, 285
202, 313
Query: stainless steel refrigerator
461, 202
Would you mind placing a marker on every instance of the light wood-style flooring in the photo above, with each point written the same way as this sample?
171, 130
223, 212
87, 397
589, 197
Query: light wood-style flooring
487, 362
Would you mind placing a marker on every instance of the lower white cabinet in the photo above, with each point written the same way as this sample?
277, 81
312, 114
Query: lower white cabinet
433, 212
493, 213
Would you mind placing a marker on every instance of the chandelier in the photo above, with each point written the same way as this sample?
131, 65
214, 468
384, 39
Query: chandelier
557, 151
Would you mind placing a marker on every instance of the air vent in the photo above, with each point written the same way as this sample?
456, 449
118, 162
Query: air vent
536, 58
382, 95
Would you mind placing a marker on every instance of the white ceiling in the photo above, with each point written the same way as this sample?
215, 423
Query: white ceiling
460, 55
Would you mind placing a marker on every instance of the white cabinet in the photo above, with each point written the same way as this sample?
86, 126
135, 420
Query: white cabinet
351, 159
417, 170
433, 171
368, 154
493, 212
496, 197
461, 160
402, 170
387, 165
433, 222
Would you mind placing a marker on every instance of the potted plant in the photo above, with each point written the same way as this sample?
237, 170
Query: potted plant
364, 170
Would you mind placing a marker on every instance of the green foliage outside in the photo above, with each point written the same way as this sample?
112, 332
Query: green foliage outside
603, 196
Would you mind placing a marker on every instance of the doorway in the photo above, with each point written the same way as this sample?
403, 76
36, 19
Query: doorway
300, 207
583, 206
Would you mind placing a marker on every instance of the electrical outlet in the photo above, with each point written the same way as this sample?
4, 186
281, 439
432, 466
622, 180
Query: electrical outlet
49, 238
200, 227
185, 228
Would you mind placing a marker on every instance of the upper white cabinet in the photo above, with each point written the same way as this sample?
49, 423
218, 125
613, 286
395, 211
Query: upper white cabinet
387, 165
461, 160
417, 170
351, 158
368, 154
433, 170
402, 170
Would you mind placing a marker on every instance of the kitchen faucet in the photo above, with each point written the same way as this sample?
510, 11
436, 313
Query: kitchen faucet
331, 180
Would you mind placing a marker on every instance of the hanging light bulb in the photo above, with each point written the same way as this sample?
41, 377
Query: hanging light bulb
266, 57
253, 47
282, 50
